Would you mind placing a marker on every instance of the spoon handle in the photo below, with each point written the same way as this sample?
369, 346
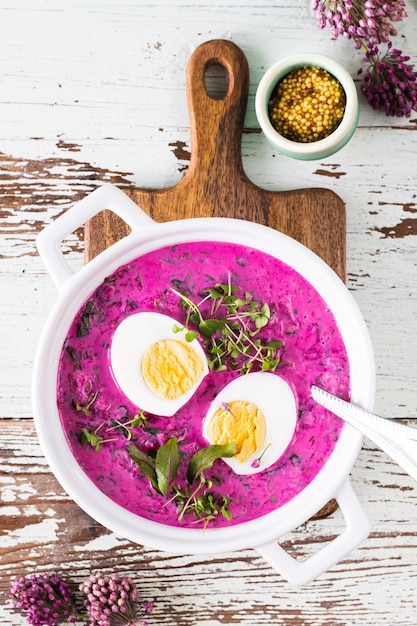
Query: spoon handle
397, 440
349, 412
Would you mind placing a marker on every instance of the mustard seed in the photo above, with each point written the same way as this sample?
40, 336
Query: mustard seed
307, 105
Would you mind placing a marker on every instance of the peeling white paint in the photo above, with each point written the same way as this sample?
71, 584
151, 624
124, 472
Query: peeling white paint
123, 111
26, 511
7, 616
6, 480
102, 543
43, 532
17, 492
8, 495
10, 511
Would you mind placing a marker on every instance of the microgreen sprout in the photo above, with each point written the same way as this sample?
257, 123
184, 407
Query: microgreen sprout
228, 409
93, 438
125, 428
90, 401
201, 502
257, 462
228, 325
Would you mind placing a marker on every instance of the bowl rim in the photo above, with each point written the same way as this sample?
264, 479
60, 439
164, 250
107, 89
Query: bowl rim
185, 540
323, 147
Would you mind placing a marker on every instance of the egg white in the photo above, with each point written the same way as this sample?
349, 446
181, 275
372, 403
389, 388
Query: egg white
274, 397
131, 340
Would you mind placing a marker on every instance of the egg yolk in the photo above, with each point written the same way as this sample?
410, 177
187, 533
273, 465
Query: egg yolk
241, 422
171, 368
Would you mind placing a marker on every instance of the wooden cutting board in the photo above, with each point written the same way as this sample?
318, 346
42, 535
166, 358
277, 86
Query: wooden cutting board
215, 184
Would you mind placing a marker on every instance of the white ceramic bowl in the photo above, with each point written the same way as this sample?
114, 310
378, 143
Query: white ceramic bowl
146, 235
317, 149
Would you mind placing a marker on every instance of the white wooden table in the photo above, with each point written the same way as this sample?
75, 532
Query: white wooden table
95, 91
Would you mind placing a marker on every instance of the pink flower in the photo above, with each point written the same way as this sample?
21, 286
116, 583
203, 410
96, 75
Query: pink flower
390, 83
113, 601
46, 600
368, 22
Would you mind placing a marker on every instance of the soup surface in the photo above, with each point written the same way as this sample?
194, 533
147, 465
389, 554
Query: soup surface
124, 448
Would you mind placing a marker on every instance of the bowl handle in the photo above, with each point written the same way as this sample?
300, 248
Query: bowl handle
106, 197
302, 572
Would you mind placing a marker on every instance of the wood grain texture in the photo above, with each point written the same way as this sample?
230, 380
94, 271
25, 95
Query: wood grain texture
112, 108
215, 183
42, 531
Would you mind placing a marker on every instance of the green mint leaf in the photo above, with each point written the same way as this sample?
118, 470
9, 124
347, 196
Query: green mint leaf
166, 465
204, 459
145, 463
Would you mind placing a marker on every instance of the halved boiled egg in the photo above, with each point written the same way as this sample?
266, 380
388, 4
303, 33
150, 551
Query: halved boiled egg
258, 412
155, 367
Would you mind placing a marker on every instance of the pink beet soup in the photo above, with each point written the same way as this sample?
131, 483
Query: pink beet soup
88, 398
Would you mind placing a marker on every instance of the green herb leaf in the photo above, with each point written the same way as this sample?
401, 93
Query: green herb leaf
226, 289
274, 344
225, 508
263, 317
190, 335
84, 326
92, 438
140, 419
75, 357
145, 463
227, 324
86, 408
220, 368
214, 293
270, 366
209, 327
204, 459
166, 465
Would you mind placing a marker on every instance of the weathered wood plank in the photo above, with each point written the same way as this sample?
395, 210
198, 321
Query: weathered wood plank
113, 108
42, 530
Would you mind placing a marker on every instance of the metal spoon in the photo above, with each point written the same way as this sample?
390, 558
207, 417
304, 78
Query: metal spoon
397, 440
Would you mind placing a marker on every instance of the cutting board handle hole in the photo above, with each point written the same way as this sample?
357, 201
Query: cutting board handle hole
216, 81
